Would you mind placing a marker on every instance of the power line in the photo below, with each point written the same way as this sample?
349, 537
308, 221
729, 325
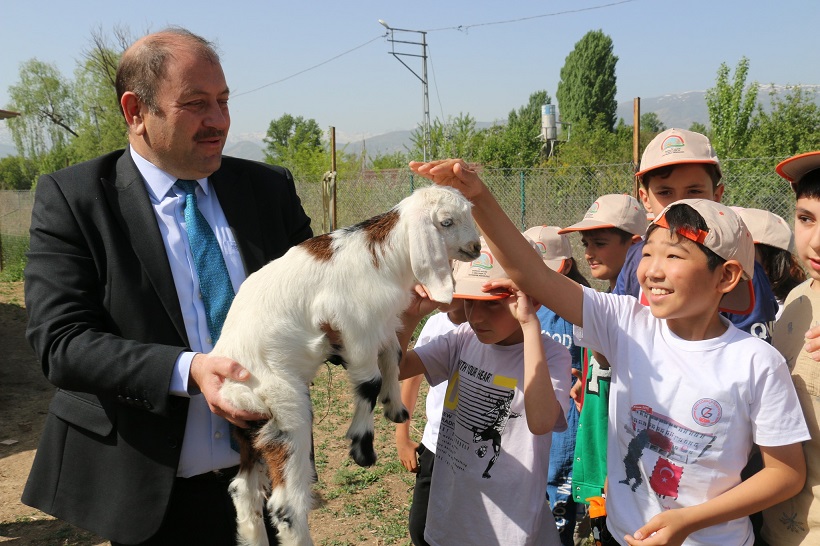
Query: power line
308, 69
520, 19
459, 28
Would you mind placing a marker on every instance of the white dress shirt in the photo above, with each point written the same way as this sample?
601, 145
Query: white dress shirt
206, 444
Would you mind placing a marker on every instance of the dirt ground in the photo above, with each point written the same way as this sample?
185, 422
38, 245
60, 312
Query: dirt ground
340, 519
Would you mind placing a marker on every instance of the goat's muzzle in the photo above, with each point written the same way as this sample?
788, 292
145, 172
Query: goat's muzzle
470, 252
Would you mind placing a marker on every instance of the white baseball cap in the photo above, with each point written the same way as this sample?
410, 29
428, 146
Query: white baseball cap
767, 228
729, 238
469, 277
676, 146
555, 248
613, 211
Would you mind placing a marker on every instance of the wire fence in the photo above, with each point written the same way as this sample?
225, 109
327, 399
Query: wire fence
555, 196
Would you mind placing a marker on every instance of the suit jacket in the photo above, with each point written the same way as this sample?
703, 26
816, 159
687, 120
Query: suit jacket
105, 322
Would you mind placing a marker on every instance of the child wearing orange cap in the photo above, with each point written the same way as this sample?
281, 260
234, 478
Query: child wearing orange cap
690, 392
797, 520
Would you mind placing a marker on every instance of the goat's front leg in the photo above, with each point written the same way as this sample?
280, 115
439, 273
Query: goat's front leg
390, 392
248, 491
363, 371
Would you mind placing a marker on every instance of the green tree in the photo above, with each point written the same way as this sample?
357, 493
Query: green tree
586, 90
791, 127
651, 123
49, 115
698, 127
453, 138
17, 173
731, 105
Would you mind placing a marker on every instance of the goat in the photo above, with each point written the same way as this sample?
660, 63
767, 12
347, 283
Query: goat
334, 297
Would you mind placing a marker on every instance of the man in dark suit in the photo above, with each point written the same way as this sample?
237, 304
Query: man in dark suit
136, 446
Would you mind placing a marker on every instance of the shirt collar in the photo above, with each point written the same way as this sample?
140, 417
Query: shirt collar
159, 182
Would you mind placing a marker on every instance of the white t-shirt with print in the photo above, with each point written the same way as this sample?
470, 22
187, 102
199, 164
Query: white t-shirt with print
491, 471
435, 326
683, 415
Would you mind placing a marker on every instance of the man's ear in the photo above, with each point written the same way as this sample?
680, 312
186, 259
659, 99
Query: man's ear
132, 109
731, 275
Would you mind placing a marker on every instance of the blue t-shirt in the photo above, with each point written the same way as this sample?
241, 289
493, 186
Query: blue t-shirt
758, 323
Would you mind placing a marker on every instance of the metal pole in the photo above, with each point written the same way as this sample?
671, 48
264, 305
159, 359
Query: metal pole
425, 124
333, 183
636, 140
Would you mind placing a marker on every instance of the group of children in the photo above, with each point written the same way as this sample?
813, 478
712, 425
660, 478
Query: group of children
678, 386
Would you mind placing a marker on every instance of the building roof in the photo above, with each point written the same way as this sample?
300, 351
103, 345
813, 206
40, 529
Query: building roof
4, 114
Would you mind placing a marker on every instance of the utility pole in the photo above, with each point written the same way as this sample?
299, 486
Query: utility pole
425, 125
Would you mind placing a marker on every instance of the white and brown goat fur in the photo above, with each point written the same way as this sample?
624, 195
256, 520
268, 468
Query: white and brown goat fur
353, 283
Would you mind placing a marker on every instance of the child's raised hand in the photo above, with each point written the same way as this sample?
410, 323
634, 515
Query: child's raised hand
420, 305
451, 172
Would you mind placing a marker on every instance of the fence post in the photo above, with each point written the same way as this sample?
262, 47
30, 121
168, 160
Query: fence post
522, 179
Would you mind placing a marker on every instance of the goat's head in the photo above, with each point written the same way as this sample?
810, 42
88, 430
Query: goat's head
441, 228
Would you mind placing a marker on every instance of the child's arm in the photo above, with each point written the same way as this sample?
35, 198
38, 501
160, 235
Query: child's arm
522, 265
782, 477
540, 404
419, 307
405, 446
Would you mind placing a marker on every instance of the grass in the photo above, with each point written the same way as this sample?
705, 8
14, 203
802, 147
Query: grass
14, 248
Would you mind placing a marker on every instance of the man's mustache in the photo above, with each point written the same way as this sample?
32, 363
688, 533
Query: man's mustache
205, 134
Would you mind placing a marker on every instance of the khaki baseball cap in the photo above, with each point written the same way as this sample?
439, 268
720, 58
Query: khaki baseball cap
729, 238
613, 211
469, 277
554, 248
767, 228
676, 146
795, 167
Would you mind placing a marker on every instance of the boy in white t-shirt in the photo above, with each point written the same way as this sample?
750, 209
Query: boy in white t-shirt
508, 389
690, 393
419, 457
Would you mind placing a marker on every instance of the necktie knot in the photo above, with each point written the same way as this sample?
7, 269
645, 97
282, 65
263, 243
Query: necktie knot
188, 186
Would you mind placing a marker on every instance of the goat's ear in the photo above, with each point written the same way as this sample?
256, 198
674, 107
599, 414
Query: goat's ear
429, 259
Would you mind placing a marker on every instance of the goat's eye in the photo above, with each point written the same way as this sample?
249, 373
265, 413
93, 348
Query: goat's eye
447, 223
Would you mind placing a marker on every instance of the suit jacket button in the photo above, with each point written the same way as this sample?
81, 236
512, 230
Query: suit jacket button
147, 405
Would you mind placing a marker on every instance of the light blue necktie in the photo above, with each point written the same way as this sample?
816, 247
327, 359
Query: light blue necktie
214, 280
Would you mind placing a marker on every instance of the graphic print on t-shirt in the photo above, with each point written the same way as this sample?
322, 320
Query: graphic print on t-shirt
477, 407
671, 440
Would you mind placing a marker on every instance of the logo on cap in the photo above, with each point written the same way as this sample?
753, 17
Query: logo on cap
592, 209
485, 261
672, 144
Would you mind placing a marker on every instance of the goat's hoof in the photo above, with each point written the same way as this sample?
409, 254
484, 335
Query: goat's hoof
361, 450
397, 417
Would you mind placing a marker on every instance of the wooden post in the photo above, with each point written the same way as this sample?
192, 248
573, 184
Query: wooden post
333, 182
636, 140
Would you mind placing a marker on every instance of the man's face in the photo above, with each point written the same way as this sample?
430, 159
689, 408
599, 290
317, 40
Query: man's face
185, 137
685, 181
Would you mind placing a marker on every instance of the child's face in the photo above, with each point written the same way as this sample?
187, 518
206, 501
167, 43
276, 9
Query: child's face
493, 321
605, 253
807, 234
676, 280
685, 181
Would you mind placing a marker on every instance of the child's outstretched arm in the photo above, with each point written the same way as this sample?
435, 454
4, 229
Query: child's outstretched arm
524, 267
782, 477
420, 306
541, 405
405, 446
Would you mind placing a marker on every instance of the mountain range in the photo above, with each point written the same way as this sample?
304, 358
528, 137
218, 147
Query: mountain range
674, 110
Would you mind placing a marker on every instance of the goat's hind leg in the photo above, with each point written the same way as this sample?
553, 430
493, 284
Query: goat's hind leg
248, 490
287, 454
390, 392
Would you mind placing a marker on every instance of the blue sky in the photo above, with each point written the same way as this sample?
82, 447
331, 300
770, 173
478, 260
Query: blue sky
482, 69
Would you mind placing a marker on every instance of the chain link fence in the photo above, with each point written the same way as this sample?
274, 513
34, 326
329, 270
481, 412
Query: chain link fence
556, 196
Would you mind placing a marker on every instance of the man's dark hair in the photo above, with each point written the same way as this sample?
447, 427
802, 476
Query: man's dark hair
143, 65
664, 172
808, 185
684, 217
